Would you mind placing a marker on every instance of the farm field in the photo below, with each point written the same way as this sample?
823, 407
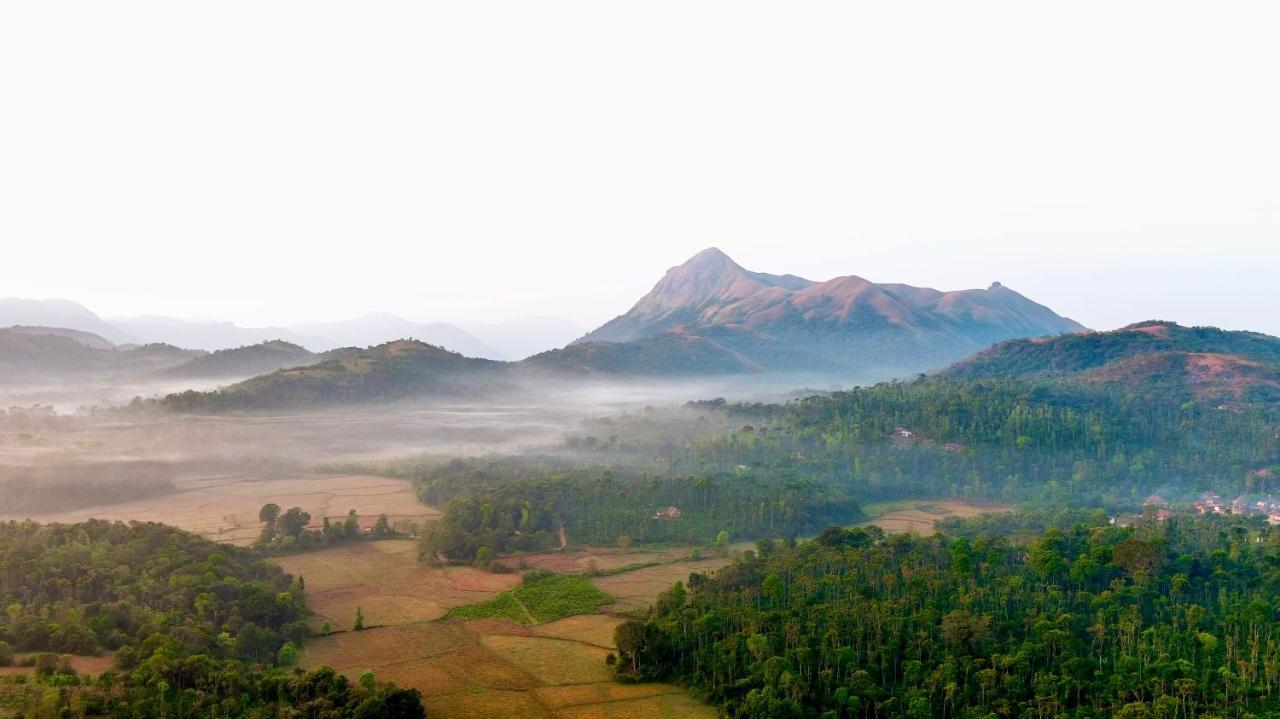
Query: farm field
636, 590
493, 667
917, 516
496, 668
386, 581
225, 509
542, 597
605, 559
82, 664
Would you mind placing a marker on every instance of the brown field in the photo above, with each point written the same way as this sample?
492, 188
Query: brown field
494, 668
918, 516
635, 591
226, 508
82, 664
386, 581
583, 559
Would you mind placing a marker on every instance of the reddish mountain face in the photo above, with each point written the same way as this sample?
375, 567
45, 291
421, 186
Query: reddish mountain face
788, 323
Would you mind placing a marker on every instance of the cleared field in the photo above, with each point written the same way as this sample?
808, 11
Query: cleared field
495, 668
918, 516
226, 508
386, 581
82, 664
585, 559
635, 591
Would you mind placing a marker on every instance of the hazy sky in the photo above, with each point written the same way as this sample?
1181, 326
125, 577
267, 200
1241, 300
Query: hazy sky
281, 161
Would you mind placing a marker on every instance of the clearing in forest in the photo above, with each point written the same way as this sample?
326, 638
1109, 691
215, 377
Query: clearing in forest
385, 580
918, 516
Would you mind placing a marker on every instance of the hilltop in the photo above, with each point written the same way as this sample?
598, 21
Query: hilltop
246, 361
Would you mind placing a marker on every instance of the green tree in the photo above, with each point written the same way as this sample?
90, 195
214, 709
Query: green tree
293, 521
722, 543
288, 655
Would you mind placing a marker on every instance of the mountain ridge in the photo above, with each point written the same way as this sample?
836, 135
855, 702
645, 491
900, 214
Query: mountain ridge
841, 324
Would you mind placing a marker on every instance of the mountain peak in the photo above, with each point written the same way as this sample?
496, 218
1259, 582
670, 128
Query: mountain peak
712, 256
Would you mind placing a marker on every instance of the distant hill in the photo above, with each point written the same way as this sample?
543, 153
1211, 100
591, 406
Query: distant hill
391, 371
1204, 362
668, 354
54, 352
788, 323
376, 328
88, 339
207, 334
59, 313
246, 361
524, 336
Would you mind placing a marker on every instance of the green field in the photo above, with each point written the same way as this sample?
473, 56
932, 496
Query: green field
541, 597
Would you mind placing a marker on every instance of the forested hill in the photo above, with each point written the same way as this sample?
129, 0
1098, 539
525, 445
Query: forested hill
391, 371
246, 361
1174, 619
1202, 361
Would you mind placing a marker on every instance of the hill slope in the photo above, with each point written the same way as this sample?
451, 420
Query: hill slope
1204, 362
668, 354
246, 361
388, 372
55, 352
59, 313
788, 323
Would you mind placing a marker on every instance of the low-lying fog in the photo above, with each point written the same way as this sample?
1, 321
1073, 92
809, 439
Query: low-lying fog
59, 456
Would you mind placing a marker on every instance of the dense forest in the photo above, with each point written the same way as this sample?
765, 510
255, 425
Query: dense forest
1167, 619
506, 505
197, 629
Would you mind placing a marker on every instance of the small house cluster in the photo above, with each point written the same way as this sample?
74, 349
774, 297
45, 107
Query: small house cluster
667, 514
1210, 503
1214, 503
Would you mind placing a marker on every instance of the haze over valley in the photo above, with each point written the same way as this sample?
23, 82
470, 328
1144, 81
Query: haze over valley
585, 360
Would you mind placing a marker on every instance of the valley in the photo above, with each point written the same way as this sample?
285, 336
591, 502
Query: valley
594, 360
615, 528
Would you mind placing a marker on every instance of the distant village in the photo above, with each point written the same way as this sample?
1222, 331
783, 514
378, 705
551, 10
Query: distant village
1208, 503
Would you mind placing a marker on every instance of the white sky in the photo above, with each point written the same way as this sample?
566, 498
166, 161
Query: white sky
283, 161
